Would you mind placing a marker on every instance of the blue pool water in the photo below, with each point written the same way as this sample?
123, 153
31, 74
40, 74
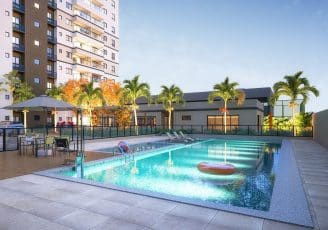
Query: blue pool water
173, 171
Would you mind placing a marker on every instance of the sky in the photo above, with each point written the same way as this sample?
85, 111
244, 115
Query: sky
195, 44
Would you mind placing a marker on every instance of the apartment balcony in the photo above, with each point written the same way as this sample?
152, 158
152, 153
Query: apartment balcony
52, 4
18, 48
91, 7
51, 57
85, 67
18, 7
51, 74
85, 53
18, 67
18, 27
85, 36
83, 22
52, 39
52, 21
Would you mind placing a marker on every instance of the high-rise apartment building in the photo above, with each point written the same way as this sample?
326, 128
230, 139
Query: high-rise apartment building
49, 42
6, 50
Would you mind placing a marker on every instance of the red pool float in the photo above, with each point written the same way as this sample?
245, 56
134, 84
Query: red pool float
216, 168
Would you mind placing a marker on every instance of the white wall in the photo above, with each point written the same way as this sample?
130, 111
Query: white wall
5, 48
320, 129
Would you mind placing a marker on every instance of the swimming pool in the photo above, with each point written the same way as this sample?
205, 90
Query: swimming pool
173, 171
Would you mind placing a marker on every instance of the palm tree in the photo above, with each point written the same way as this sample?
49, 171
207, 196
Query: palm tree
57, 93
170, 96
23, 92
227, 91
89, 98
293, 87
133, 90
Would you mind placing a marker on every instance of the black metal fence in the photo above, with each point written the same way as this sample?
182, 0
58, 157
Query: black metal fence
9, 136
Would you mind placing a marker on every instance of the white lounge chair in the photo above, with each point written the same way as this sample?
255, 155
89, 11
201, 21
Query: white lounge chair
186, 137
181, 138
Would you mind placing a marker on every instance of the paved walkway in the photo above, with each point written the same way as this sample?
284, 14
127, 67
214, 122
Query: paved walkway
36, 202
312, 160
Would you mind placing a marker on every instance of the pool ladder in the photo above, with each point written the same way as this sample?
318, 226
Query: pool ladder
128, 157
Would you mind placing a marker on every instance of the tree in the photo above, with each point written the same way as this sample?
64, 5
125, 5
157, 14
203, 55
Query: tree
170, 96
133, 90
122, 116
23, 92
293, 87
112, 92
72, 88
12, 80
56, 92
90, 98
227, 91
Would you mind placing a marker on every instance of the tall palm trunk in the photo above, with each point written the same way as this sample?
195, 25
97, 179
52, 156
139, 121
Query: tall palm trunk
225, 116
170, 114
135, 121
293, 118
90, 117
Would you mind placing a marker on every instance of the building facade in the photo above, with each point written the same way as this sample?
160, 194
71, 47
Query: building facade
6, 50
52, 41
197, 112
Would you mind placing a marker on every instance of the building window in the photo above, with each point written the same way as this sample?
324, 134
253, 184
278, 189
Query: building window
49, 85
113, 69
7, 34
113, 29
105, 38
113, 3
105, 24
7, 13
68, 22
60, 67
68, 54
7, 118
36, 24
16, 40
68, 38
217, 122
16, 60
37, 61
36, 5
60, 34
36, 80
7, 55
105, 11
105, 66
186, 117
60, 17
68, 5
104, 52
113, 42
113, 17
7, 97
68, 71
60, 51
36, 43
113, 56
37, 117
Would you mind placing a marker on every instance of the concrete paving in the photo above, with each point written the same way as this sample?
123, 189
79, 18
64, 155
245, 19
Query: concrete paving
37, 202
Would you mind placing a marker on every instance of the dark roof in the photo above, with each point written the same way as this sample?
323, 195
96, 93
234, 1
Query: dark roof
262, 94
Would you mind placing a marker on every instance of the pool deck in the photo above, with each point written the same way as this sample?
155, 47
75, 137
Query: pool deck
37, 202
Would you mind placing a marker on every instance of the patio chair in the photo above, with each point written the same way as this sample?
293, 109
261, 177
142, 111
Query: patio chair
50, 145
186, 137
25, 143
62, 145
